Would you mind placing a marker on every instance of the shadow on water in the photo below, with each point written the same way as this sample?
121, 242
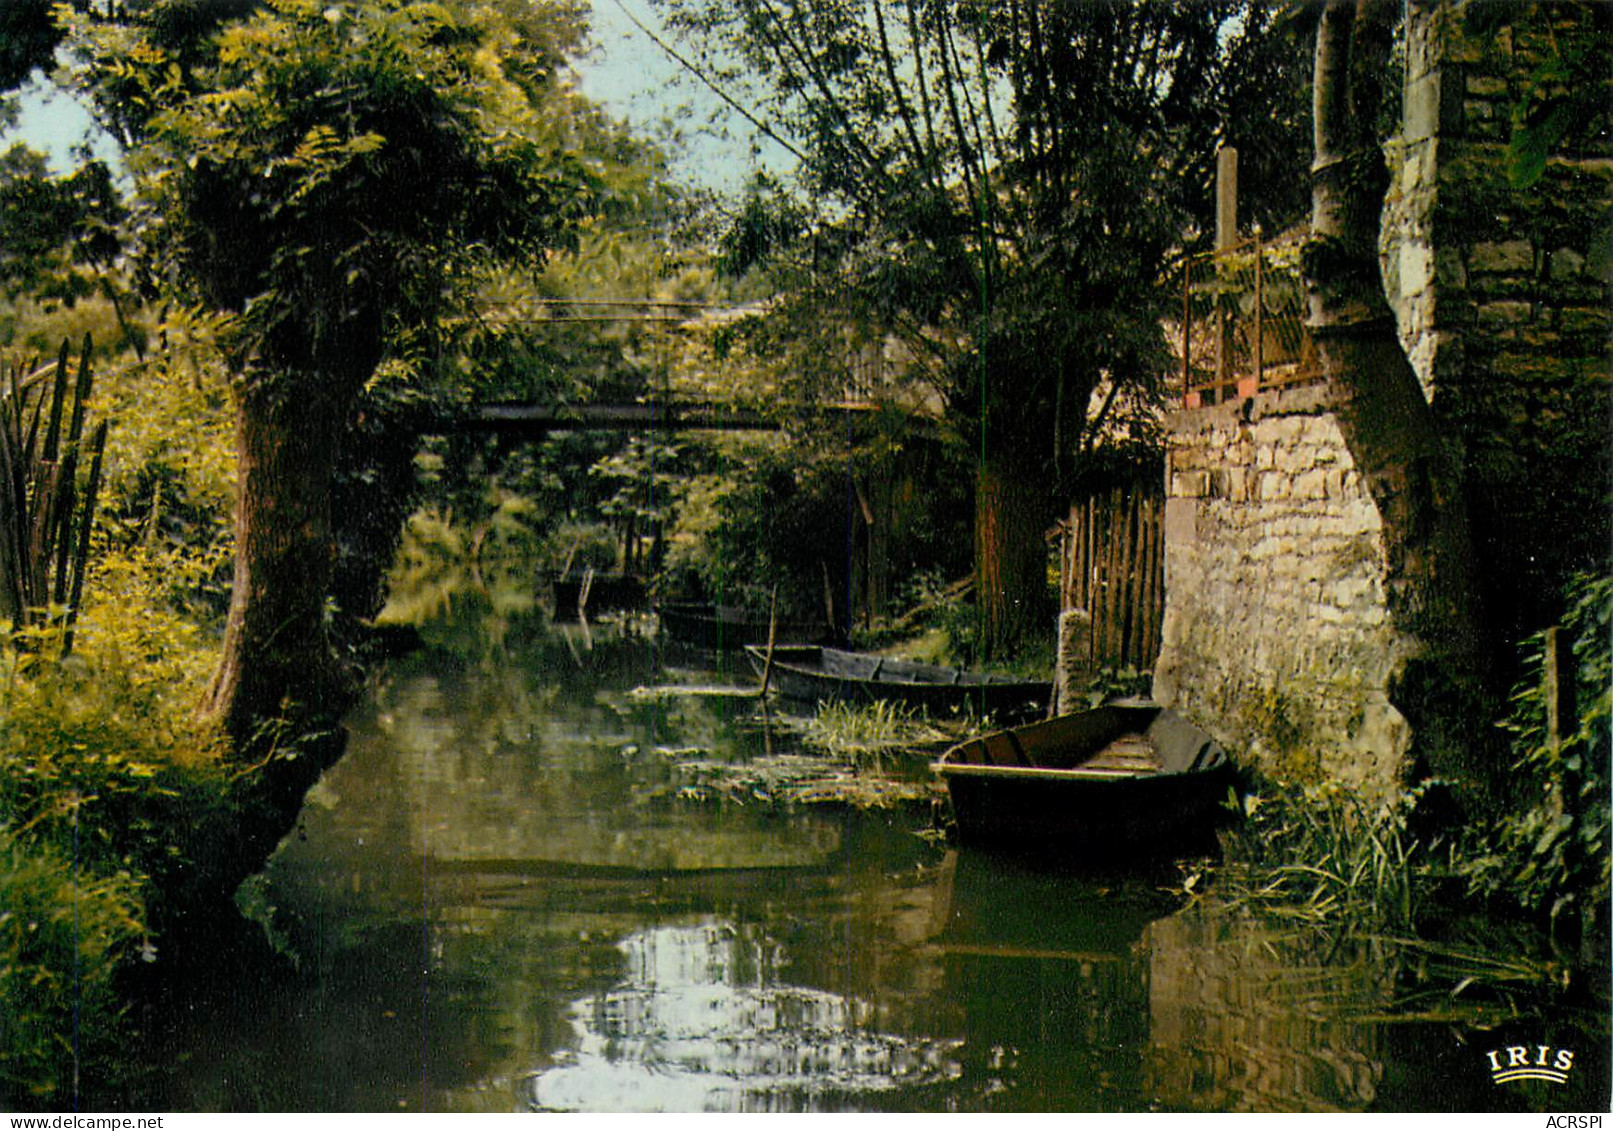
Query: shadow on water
505, 898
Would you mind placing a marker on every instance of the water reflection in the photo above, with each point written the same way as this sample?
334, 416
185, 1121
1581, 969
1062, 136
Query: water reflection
703, 1022
502, 900
1245, 1018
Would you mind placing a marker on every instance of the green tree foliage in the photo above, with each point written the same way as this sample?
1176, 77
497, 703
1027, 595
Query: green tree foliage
999, 187
332, 176
368, 152
28, 36
61, 238
1551, 855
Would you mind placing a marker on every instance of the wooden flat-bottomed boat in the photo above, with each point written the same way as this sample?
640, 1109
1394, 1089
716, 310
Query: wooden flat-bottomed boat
1128, 777
727, 626
815, 674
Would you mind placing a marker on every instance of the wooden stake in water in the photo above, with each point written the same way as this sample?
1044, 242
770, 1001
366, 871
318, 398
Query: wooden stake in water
772, 633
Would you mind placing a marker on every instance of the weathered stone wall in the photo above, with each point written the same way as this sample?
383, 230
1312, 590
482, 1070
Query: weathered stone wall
1276, 635
1505, 294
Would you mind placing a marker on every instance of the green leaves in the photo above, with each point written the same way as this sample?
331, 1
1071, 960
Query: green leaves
1562, 100
1551, 855
1534, 136
331, 173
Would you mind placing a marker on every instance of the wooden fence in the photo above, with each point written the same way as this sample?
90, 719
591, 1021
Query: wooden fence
1113, 555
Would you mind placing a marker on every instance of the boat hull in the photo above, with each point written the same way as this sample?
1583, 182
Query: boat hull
1059, 787
1158, 814
820, 675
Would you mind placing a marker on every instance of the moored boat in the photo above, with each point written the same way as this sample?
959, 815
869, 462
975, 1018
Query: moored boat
1128, 777
728, 626
816, 674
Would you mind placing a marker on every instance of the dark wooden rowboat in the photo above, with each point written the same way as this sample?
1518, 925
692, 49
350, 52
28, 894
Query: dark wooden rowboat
727, 626
813, 674
1127, 777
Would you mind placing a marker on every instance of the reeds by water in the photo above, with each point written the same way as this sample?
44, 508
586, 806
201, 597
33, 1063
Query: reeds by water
46, 512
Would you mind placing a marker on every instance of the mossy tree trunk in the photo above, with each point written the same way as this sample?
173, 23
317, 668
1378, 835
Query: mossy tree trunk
1393, 432
277, 664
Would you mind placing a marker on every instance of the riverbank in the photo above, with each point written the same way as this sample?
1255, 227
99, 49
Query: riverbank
549, 759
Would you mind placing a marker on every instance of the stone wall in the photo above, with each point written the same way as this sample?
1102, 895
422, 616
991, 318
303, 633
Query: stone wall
1505, 293
1276, 633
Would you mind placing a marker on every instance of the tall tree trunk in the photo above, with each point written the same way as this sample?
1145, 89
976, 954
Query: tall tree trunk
278, 692
1391, 429
1010, 557
277, 663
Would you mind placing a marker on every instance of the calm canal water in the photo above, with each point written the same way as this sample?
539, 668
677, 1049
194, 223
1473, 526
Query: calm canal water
504, 898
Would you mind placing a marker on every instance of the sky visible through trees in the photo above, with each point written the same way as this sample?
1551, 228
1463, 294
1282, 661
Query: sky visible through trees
626, 72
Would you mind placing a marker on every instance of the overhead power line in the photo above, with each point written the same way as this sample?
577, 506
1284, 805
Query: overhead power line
710, 83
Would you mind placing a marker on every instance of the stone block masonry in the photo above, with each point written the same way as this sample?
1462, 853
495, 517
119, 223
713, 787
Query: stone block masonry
1277, 636
1277, 628
1504, 292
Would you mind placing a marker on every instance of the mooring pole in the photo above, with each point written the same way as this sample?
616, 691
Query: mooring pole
772, 633
1226, 237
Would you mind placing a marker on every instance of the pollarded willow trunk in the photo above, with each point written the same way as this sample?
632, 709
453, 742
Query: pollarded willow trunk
1392, 431
278, 671
1010, 556
279, 692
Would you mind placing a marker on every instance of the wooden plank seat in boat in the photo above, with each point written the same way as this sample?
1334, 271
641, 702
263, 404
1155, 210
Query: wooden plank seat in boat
1127, 773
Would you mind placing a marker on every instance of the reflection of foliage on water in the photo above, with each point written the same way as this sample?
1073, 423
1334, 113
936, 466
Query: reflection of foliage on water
442, 564
1248, 1017
1277, 1015
585, 876
1349, 877
716, 726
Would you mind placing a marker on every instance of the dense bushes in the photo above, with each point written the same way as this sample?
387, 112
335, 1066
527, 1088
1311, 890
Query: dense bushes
766, 514
63, 935
1550, 855
114, 807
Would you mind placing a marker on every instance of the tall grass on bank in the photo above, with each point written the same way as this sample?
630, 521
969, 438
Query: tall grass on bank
1490, 908
113, 803
1322, 856
1349, 884
1550, 856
